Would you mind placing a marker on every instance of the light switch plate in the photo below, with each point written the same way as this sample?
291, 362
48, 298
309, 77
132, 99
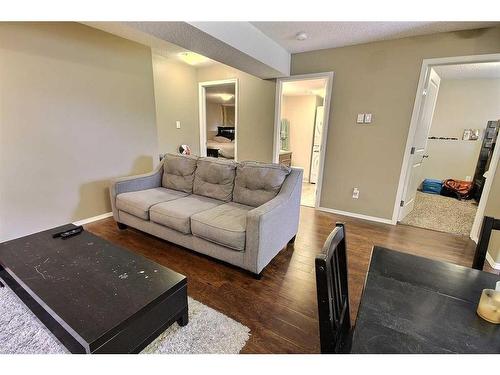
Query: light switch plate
355, 193
368, 118
361, 118
178, 124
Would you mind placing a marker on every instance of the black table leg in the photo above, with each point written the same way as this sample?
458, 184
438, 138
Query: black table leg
184, 319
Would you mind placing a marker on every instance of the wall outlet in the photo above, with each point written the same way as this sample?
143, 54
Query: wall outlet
361, 118
355, 193
178, 124
368, 118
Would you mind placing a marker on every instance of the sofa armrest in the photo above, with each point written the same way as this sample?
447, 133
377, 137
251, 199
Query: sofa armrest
134, 183
271, 226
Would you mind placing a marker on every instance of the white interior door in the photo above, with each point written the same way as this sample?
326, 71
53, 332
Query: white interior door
414, 173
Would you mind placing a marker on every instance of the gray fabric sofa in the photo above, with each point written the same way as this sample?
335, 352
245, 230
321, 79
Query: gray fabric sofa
241, 213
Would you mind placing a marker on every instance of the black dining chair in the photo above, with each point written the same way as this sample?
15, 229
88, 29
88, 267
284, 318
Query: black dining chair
489, 224
333, 294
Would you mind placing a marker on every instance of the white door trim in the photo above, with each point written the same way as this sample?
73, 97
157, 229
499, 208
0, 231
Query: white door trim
427, 64
277, 118
203, 112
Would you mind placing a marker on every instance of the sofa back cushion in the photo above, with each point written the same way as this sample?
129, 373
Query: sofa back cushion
178, 172
257, 183
214, 178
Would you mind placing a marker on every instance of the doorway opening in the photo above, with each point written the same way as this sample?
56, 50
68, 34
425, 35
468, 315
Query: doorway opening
452, 145
218, 102
302, 109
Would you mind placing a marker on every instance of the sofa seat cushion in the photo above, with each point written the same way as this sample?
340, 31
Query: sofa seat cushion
214, 178
225, 225
176, 214
257, 183
178, 172
138, 203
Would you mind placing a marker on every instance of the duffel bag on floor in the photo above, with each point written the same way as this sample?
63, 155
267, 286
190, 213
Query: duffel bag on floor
457, 189
432, 186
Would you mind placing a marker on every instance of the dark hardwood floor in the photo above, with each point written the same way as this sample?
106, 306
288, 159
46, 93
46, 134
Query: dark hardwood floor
280, 309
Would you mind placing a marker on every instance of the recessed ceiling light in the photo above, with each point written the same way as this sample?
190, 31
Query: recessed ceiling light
301, 35
192, 58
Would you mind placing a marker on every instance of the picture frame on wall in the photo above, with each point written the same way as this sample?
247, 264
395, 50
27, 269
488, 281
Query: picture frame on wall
467, 134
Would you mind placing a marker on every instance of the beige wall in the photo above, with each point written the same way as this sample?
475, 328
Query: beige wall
77, 108
461, 104
214, 117
176, 93
300, 110
176, 88
255, 111
379, 78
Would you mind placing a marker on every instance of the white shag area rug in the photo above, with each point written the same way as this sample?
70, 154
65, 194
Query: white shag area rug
208, 332
444, 214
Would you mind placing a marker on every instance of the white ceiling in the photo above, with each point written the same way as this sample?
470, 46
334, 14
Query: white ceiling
306, 87
469, 71
263, 48
323, 35
159, 46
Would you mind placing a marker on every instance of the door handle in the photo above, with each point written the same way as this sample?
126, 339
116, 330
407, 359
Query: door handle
425, 156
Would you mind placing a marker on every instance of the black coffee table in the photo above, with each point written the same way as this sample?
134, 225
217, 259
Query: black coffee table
95, 297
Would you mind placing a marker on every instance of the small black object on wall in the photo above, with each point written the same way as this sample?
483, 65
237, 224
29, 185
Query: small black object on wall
485, 155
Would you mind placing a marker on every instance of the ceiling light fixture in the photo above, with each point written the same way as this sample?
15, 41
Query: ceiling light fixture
192, 58
301, 35
226, 97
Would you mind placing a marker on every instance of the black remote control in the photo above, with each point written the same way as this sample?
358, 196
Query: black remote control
71, 233
68, 233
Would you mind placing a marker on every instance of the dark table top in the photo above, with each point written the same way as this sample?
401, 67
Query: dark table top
412, 304
87, 284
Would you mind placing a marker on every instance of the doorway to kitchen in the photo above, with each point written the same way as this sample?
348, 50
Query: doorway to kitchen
302, 109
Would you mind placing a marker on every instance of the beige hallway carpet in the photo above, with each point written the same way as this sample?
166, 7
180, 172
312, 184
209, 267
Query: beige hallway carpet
443, 214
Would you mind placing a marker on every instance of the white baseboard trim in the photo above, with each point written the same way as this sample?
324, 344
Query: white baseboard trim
94, 218
492, 263
357, 216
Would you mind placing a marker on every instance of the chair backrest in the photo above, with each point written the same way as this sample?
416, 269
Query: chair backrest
333, 293
489, 224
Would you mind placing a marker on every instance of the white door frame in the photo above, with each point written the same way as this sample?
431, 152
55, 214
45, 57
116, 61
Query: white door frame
277, 121
427, 64
203, 112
